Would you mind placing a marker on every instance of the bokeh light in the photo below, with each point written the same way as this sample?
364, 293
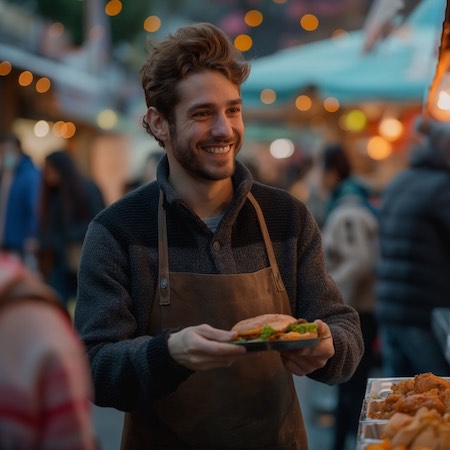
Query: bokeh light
268, 96
355, 120
113, 7
339, 34
243, 42
253, 18
107, 119
43, 85
331, 104
309, 22
69, 130
5, 68
378, 148
282, 148
303, 103
152, 24
41, 128
25, 78
390, 128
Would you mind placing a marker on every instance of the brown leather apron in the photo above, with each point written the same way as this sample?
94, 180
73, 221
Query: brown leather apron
252, 404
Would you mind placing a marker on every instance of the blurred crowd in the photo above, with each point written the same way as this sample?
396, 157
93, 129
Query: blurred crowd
388, 252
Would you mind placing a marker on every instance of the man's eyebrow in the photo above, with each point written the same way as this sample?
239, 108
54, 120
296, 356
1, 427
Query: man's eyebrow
206, 105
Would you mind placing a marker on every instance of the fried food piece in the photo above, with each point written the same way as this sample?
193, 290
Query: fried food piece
410, 404
427, 381
427, 429
403, 387
408, 396
396, 423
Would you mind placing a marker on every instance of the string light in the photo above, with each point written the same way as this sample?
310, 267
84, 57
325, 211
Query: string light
303, 103
113, 8
43, 85
5, 68
268, 96
25, 78
243, 42
253, 18
152, 24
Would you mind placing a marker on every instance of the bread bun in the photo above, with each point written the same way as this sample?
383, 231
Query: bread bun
274, 326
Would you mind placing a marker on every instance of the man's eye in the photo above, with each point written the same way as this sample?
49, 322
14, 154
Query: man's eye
201, 114
235, 110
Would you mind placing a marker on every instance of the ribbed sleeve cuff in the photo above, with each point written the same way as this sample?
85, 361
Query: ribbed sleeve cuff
168, 374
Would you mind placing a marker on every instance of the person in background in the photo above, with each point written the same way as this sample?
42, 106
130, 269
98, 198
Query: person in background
167, 270
69, 200
147, 173
19, 195
350, 241
45, 384
413, 274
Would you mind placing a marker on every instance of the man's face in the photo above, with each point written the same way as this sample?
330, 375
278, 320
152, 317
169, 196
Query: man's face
208, 129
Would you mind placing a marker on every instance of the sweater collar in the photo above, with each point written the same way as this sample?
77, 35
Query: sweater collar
242, 183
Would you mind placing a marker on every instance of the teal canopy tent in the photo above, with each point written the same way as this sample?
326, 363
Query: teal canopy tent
399, 68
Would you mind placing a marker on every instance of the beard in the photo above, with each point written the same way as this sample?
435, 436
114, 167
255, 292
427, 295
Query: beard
204, 168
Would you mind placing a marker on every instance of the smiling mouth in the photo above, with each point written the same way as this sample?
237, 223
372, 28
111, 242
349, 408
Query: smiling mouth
218, 150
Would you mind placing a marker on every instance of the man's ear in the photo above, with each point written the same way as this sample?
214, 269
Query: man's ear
158, 124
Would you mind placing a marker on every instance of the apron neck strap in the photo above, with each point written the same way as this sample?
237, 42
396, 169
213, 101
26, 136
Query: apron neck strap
268, 242
163, 254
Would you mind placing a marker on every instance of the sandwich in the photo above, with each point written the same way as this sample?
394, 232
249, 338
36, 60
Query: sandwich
270, 327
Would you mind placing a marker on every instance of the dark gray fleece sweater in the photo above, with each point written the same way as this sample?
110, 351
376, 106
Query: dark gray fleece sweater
118, 277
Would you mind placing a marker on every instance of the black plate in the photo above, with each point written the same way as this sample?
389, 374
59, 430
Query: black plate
257, 346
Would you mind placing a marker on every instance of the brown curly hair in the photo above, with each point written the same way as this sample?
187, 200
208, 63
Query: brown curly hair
192, 48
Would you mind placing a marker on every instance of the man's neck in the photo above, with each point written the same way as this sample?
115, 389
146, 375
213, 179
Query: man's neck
206, 199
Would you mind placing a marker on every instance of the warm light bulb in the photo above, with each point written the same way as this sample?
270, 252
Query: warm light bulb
438, 101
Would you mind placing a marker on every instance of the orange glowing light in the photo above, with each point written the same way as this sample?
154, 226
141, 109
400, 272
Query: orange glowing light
113, 7
70, 130
43, 85
253, 18
25, 78
152, 24
243, 42
268, 96
303, 103
5, 68
331, 104
378, 148
309, 22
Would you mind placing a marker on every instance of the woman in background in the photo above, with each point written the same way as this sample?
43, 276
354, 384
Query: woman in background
69, 201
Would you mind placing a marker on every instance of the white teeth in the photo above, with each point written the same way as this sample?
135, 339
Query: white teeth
218, 149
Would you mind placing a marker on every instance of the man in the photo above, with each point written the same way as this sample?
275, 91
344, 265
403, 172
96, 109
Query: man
413, 275
45, 382
171, 267
350, 241
19, 196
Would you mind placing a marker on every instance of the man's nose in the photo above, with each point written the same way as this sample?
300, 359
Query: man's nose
222, 126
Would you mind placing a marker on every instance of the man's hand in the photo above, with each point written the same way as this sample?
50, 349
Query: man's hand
203, 347
306, 360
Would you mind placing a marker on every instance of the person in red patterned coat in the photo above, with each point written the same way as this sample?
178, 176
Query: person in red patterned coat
45, 387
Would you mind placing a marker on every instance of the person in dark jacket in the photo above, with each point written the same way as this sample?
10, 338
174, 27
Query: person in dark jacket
168, 269
350, 242
69, 201
19, 195
414, 269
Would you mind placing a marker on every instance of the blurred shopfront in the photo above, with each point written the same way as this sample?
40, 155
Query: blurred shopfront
57, 95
